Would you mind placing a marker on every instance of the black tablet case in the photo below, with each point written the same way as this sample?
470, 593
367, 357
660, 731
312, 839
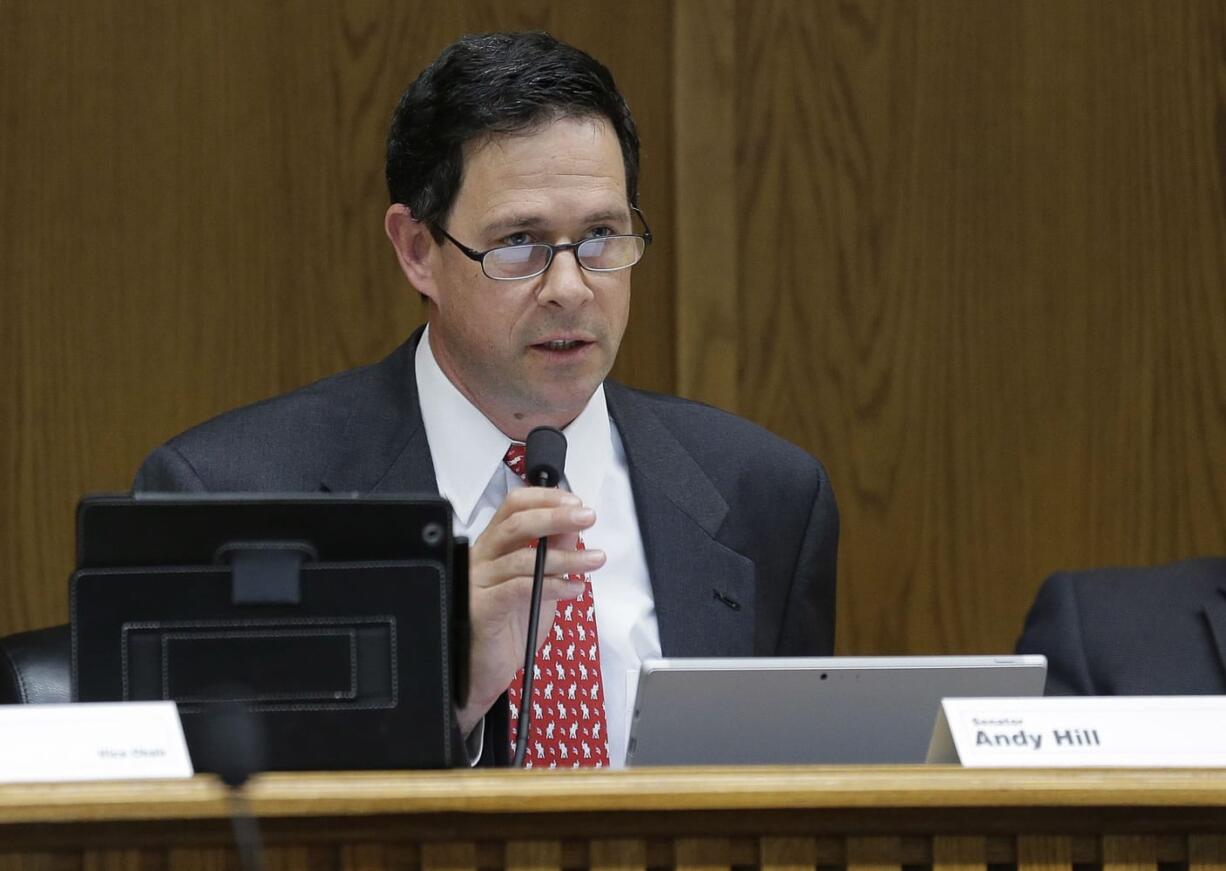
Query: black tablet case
352, 659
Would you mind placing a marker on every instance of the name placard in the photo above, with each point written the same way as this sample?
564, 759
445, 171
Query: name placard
96, 741
1115, 731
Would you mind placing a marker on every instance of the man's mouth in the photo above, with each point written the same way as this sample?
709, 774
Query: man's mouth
561, 344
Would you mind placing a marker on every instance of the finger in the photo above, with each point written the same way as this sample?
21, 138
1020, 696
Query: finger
520, 528
535, 497
522, 563
514, 594
560, 589
565, 541
573, 562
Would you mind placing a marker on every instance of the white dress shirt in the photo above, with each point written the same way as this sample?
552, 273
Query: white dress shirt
468, 449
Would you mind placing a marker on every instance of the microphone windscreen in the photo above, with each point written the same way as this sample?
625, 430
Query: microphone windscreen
232, 742
545, 456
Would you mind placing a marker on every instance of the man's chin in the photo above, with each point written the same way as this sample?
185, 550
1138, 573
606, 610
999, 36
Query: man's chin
560, 404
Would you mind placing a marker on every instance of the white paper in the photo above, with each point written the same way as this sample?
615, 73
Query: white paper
95, 741
1115, 731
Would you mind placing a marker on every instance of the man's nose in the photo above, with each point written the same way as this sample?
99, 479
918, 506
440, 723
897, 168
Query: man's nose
565, 283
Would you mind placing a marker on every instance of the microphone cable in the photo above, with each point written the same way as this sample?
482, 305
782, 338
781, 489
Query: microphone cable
545, 458
233, 745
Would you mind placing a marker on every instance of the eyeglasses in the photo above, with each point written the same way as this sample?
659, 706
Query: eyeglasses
598, 254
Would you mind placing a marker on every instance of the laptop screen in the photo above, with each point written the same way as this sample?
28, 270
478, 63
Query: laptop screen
828, 710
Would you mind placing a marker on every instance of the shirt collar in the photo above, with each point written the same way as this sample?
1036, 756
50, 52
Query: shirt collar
589, 449
467, 448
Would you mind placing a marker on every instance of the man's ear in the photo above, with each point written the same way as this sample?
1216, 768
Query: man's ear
414, 247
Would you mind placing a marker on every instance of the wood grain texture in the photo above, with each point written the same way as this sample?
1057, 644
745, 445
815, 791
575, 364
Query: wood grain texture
972, 256
1207, 853
823, 817
38, 861
534, 855
788, 854
201, 859
130, 859
959, 854
193, 217
878, 853
372, 857
618, 854
496, 791
708, 297
449, 856
1129, 853
987, 244
703, 854
1044, 853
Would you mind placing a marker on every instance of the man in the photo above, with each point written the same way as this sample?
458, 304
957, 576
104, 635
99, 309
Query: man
512, 166
1132, 631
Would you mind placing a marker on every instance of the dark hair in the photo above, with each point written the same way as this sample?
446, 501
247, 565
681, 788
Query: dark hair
493, 83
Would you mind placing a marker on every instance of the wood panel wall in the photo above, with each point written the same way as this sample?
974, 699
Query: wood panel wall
968, 252
192, 219
981, 272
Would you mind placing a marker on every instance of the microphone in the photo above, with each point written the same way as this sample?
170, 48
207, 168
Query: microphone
544, 459
545, 456
233, 745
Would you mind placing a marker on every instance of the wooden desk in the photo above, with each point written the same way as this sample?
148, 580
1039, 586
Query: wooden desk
860, 819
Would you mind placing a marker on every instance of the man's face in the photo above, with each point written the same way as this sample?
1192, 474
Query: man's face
532, 351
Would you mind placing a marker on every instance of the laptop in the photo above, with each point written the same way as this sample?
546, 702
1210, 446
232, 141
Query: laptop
827, 710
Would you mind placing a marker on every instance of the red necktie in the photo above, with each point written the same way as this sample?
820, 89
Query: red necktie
568, 722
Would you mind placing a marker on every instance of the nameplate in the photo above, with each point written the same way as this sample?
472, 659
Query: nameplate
1116, 731
96, 741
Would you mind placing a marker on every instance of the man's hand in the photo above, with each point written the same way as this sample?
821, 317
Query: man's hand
501, 562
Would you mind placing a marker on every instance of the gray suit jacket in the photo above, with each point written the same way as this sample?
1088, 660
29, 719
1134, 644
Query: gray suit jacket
739, 527
1132, 631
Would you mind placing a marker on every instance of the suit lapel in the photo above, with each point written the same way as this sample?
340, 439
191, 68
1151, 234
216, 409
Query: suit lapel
383, 447
703, 590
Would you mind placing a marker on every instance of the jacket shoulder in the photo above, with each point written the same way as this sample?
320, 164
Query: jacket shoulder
285, 443
1140, 589
1129, 630
718, 439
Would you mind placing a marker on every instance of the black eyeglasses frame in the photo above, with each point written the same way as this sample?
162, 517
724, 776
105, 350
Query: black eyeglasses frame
479, 256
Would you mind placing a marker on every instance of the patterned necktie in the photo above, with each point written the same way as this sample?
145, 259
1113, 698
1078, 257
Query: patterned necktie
568, 723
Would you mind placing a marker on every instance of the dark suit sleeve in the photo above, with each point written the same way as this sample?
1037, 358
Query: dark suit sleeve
1053, 628
167, 470
808, 621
